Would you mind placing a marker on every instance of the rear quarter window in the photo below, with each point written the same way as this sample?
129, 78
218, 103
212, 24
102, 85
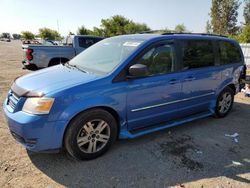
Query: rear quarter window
87, 42
229, 53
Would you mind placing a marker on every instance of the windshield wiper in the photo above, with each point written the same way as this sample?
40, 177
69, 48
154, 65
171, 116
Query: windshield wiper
74, 66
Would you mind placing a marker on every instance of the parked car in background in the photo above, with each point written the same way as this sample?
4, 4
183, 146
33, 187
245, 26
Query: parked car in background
41, 56
5, 40
5, 37
31, 42
49, 43
124, 87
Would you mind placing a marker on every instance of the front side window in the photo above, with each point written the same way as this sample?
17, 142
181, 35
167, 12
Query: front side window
229, 53
104, 56
159, 60
197, 54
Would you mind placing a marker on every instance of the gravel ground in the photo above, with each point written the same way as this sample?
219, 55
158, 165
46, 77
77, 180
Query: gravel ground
197, 154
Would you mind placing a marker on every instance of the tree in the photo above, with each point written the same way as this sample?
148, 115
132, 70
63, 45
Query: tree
116, 25
83, 31
244, 37
119, 25
136, 28
27, 35
224, 15
180, 28
208, 27
247, 12
49, 34
5, 35
16, 36
97, 32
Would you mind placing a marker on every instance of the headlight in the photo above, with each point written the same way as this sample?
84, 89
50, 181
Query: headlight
38, 105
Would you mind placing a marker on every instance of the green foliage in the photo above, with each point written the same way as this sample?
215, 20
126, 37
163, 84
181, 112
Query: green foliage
97, 32
116, 25
27, 35
208, 27
49, 34
83, 31
136, 28
224, 15
244, 37
180, 28
246, 13
119, 25
16, 36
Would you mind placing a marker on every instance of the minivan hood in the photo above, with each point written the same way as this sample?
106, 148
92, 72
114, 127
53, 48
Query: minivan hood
53, 79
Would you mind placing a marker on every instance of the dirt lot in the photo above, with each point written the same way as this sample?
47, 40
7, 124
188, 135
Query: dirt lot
197, 154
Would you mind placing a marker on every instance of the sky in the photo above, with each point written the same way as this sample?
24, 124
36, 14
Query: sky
68, 15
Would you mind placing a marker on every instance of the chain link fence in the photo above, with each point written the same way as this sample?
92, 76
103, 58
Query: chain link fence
246, 51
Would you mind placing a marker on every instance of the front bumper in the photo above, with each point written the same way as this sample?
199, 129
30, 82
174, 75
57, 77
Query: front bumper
36, 133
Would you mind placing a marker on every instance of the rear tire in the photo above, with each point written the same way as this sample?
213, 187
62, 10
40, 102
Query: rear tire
90, 134
57, 61
224, 102
53, 63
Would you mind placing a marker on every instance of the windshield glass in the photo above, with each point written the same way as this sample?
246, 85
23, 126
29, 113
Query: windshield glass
106, 55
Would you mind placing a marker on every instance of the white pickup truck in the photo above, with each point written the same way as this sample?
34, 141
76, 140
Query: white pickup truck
41, 56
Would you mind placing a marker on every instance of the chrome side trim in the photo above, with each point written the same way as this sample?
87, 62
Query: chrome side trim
172, 102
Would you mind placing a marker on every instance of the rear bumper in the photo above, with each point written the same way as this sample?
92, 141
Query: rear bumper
29, 66
35, 133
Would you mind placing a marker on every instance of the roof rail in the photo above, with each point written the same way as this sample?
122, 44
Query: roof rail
204, 34
150, 31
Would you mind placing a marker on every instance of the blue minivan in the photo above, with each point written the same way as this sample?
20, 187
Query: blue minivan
124, 87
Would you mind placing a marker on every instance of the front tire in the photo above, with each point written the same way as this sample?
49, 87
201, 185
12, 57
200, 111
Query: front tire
90, 134
224, 102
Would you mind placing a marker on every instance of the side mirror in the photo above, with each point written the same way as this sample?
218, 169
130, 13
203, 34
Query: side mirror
137, 70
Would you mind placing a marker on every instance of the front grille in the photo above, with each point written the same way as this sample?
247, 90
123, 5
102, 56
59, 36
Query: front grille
12, 100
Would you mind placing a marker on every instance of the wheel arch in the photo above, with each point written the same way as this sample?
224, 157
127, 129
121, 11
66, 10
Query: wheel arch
232, 86
113, 112
57, 59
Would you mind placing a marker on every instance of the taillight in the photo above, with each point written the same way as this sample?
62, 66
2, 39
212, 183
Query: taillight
29, 55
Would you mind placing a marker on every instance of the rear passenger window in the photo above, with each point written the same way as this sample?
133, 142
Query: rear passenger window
229, 53
196, 54
86, 42
159, 60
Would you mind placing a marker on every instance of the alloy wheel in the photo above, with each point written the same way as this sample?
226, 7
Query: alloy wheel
93, 136
225, 102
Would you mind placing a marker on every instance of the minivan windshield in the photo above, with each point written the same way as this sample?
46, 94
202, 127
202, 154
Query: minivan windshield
104, 56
